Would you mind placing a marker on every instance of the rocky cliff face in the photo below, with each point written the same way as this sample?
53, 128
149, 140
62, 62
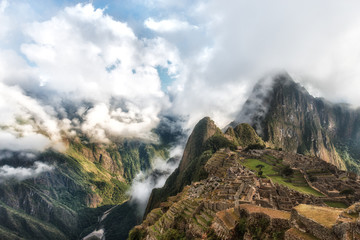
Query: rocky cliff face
288, 117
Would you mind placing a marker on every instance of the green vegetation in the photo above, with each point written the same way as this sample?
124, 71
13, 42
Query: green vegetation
200, 134
128, 158
178, 180
287, 171
303, 189
137, 234
273, 169
260, 166
246, 135
173, 234
211, 235
86, 175
217, 142
278, 235
252, 163
136, 156
258, 228
121, 220
86, 164
198, 150
240, 228
110, 189
350, 155
28, 227
347, 192
255, 146
336, 204
260, 172
6, 234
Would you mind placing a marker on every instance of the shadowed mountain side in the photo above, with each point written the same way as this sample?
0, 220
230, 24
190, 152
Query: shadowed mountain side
116, 223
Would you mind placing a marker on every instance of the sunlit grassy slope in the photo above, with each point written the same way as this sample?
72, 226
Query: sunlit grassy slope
296, 181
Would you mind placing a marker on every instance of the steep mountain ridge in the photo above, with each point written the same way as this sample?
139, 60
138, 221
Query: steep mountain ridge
288, 117
61, 203
192, 159
203, 142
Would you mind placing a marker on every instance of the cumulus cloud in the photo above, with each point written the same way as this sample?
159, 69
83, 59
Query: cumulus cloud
168, 25
82, 56
21, 173
85, 51
85, 55
24, 123
3, 5
4, 28
101, 122
245, 41
213, 52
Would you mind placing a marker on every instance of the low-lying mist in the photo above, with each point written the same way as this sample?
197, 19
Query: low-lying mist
22, 173
145, 182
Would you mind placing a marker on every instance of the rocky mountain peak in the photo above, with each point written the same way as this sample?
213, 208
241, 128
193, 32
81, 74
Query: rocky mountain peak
203, 130
286, 116
264, 92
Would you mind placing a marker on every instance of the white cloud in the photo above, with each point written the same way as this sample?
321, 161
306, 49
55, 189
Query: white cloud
29, 141
101, 122
15, 70
4, 28
21, 173
13, 15
145, 182
24, 123
168, 25
3, 5
83, 50
83, 55
216, 52
244, 41
87, 55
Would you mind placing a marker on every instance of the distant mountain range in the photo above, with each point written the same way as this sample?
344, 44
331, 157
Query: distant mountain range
90, 178
80, 184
